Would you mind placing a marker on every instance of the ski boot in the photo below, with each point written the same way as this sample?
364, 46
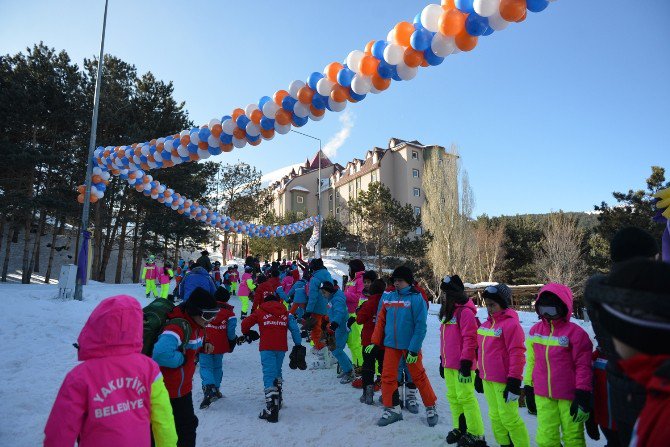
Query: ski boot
217, 392
469, 440
390, 415
271, 411
278, 384
453, 436
368, 396
208, 396
411, 403
431, 416
243, 315
347, 377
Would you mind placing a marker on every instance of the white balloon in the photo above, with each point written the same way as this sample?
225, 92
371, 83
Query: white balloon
213, 122
270, 109
361, 85
248, 110
294, 87
394, 53
442, 45
97, 171
316, 118
406, 73
228, 126
253, 130
430, 17
195, 138
212, 141
324, 86
336, 106
301, 110
282, 129
390, 37
168, 145
497, 22
354, 60
239, 142
486, 8
183, 133
202, 154
154, 196
100, 194
182, 151
157, 157
374, 90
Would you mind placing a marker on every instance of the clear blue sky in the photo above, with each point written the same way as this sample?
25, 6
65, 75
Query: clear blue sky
553, 113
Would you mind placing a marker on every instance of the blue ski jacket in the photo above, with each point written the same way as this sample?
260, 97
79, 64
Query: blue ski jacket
316, 302
401, 323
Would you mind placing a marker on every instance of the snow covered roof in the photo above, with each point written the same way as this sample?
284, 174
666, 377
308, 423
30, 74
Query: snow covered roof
299, 188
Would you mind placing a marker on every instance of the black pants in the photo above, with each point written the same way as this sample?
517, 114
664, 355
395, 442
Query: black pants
368, 368
185, 420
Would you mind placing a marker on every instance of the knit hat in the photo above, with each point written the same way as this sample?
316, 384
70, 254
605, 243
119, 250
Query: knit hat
222, 295
633, 304
355, 266
500, 293
453, 287
377, 287
632, 242
328, 287
204, 253
316, 264
370, 275
403, 272
199, 300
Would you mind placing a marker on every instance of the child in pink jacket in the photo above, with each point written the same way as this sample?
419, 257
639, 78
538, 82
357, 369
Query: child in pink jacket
458, 346
559, 370
116, 394
501, 358
246, 287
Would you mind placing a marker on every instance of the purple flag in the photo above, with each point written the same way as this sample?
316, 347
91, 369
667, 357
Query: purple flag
666, 242
82, 260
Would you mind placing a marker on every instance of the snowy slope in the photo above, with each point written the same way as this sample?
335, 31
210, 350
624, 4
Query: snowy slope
39, 330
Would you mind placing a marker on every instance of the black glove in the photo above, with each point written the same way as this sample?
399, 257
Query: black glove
252, 336
479, 385
333, 326
512, 390
293, 361
581, 406
592, 427
232, 342
530, 399
301, 354
308, 323
441, 368
304, 334
240, 340
465, 371
351, 321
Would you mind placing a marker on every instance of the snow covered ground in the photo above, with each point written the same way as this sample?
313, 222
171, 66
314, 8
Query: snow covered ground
39, 330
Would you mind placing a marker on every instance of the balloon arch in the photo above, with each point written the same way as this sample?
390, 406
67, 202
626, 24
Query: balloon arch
436, 32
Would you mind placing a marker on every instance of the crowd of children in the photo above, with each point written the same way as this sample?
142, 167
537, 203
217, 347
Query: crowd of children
564, 381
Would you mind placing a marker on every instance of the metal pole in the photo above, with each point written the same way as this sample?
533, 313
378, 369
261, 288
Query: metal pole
91, 143
317, 248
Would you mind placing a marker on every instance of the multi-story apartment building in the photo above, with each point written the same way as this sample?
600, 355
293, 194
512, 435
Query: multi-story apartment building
400, 167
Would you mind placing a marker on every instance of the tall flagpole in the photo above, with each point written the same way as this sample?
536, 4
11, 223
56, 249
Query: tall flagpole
317, 248
89, 163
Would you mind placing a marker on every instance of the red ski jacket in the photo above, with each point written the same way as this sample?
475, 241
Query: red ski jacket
367, 316
218, 330
266, 288
272, 319
653, 372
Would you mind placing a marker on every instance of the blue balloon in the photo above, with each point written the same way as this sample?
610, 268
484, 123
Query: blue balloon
226, 117
345, 76
204, 134
261, 103
267, 123
214, 150
313, 79
159, 164
395, 76
288, 103
432, 58
421, 39
465, 5
192, 148
251, 139
356, 97
476, 25
242, 122
488, 31
319, 102
152, 150
385, 70
225, 138
299, 122
378, 49
417, 20
536, 5
143, 158
185, 159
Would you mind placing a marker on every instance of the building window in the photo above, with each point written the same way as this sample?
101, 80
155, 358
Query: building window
330, 197
418, 231
337, 210
300, 199
415, 173
415, 155
417, 210
373, 177
417, 192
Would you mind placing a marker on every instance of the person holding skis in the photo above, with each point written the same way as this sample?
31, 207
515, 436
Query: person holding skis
400, 329
273, 321
149, 275
246, 287
175, 352
501, 359
86, 412
458, 347
558, 370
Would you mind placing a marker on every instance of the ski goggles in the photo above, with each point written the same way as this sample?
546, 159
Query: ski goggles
209, 314
493, 290
548, 311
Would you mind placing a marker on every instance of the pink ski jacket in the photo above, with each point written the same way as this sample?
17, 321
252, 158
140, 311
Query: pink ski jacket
244, 288
150, 271
163, 278
354, 292
112, 397
501, 350
458, 336
286, 283
559, 353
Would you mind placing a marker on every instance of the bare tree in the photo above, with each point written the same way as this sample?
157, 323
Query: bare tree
560, 257
489, 252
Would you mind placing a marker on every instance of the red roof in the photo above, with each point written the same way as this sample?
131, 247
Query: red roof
325, 161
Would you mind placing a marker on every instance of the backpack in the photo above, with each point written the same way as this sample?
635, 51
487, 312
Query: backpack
154, 321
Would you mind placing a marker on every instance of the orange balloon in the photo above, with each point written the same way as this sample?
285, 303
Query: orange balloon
216, 130
226, 147
80, 198
203, 145
122, 153
193, 157
237, 113
173, 152
305, 95
239, 133
448, 4
283, 117
465, 42
93, 198
145, 179
425, 63
255, 143
403, 32
167, 163
512, 10
96, 179
256, 116
180, 210
339, 93
368, 65
412, 57
332, 70
317, 112
278, 97
452, 22
523, 17
184, 140
368, 47
81, 189
267, 133
151, 143
380, 83
139, 187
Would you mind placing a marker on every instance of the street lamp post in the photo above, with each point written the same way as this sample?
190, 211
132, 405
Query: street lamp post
89, 162
317, 249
